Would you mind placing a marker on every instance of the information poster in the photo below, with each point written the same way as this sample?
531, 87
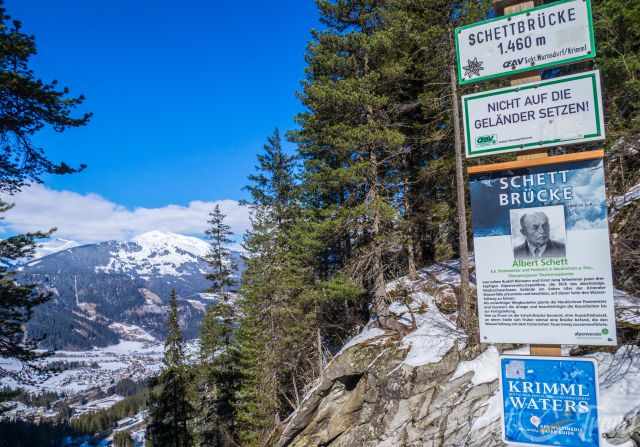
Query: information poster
543, 264
549, 401
559, 111
538, 38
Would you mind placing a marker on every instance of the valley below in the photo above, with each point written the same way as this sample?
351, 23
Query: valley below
104, 326
423, 374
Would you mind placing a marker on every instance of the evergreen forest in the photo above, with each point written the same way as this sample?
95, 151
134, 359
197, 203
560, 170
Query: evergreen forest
367, 195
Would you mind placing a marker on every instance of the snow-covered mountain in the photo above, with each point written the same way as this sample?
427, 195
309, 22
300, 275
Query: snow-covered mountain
117, 290
53, 246
157, 253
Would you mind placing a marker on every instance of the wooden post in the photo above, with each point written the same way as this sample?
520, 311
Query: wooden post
510, 7
504, 7
463, 304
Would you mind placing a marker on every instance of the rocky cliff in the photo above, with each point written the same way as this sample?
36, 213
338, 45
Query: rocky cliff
427, 388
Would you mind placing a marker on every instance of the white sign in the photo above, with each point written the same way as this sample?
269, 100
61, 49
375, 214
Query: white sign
543, 266
559, 111
558, 33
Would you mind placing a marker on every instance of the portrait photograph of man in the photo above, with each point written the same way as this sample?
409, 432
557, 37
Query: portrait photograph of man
538, 233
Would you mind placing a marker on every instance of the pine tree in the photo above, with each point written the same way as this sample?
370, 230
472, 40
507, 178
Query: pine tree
169, 407
218, 369
267, 285
258, 398
618, 36
219, 256
281, 339
174, 343
349, 142
423, 32
27, 105
219, 377
376, 197
272, 186
18, 302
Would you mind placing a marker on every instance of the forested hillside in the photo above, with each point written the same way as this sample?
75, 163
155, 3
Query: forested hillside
352, 323
107, 290
370, 194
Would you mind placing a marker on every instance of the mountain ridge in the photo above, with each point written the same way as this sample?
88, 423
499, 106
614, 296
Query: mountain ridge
99, 290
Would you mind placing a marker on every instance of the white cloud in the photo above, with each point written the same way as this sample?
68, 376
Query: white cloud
92, 218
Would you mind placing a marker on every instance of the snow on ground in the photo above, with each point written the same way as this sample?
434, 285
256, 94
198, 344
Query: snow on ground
619, 377
490, 415
630, 196
627, 307
131, 332
198, 305
484, 367
52, 246
18, 410
96, 405
436, 334
159, 240
97, 369
100, 367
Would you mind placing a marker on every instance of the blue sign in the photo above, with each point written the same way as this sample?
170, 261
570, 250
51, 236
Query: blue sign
549, 401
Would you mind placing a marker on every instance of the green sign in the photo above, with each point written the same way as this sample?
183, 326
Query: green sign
559, 111
546, 36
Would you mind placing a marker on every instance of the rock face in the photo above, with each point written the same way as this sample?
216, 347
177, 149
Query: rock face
427, 389
368, 397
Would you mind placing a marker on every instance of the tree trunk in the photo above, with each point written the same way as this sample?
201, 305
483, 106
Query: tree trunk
463, 304
320, 356
347, 239
379, 289
411, 260
380, 304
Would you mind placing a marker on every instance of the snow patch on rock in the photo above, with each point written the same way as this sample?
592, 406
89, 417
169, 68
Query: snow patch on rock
369, 333
485, 367
433, 338
435, 334
619, 377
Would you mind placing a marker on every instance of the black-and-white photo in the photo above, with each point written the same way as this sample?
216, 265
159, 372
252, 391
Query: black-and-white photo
538, 233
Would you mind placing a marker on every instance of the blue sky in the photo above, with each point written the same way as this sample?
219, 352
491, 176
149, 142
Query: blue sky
184, 94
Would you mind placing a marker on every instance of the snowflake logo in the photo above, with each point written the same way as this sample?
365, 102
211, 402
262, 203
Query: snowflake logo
473, 68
